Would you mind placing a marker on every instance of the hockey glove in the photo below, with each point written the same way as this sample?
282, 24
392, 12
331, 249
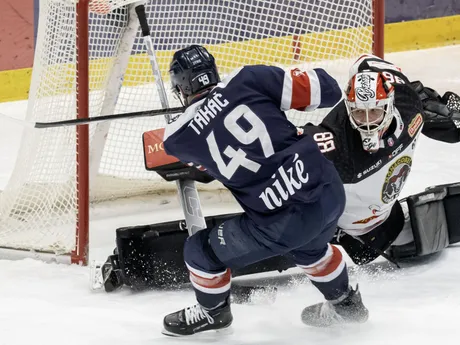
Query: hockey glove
442, 114
437, 108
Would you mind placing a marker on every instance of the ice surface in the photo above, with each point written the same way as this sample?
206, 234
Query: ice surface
50, 304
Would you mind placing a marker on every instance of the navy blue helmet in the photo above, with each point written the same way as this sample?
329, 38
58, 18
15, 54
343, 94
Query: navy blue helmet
192, 70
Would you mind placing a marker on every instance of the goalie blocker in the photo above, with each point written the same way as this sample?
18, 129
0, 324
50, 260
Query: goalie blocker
151, 256
168, 167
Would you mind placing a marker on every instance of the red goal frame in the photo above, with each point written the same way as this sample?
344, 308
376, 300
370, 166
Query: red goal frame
80, 254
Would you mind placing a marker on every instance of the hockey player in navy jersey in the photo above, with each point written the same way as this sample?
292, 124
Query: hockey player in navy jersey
291, 194
371, 137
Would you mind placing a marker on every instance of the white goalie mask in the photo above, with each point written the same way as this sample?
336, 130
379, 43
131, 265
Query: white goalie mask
370, 105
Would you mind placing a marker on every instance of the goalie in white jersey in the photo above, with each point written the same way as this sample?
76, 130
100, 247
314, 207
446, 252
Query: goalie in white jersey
371, 137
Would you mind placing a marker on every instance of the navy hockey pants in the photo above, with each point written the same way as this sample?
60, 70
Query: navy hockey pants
300, 231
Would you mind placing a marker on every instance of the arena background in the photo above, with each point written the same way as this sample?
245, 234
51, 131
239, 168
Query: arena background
409, 25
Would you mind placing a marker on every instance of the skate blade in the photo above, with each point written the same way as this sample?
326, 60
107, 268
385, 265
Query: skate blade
333, 323
96, 281
212, 333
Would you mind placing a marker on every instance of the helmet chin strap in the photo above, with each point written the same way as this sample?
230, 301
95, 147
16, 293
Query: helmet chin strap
192, 98
371, 142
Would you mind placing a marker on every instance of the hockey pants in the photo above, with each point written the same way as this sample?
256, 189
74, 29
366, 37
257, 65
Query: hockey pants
300, 232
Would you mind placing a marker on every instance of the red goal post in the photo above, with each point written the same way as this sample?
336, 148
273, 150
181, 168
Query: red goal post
90, 61
378, 20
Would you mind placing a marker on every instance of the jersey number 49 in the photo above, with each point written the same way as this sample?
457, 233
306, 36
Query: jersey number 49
238, 157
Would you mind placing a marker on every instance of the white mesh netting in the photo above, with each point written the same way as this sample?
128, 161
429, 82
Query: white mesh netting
38, 207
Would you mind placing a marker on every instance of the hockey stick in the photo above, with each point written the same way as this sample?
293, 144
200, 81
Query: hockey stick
76, 122
188, 193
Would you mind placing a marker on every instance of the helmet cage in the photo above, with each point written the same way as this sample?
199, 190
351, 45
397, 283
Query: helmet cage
375, 99
372, 122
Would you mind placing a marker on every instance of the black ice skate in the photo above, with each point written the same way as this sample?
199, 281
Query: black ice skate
349, 310
197, 319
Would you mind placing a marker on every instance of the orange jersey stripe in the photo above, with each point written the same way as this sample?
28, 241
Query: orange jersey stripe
301, 89
328, 266
213, 283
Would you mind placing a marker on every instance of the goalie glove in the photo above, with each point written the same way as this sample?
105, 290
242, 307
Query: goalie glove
452, 101
441, 114
438, 108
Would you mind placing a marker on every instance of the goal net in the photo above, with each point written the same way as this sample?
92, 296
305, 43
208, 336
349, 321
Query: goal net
90, 60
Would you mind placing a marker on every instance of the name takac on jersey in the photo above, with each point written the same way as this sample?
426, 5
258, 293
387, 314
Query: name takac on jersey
207, 112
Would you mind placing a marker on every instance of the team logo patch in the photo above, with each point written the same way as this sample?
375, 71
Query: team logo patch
395, 179
415, 124
364, 90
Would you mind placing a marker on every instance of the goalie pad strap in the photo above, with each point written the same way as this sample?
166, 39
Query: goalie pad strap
428, 221
435, 219
451, 204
